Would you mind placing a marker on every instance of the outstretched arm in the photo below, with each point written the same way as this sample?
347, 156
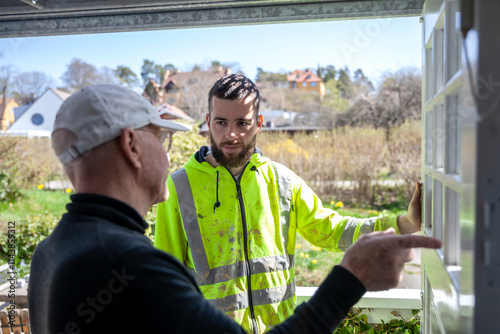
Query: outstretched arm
375, 262
377, 259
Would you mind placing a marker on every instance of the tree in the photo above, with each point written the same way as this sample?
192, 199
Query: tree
150, 70
152, 92
194, 87
80, 74
107, 76
345, 84
327, 73
275, 79
126, 76
273, 98
363, 85
6, 74
399, 99
215, 64
28, 86
332, 104
195, 92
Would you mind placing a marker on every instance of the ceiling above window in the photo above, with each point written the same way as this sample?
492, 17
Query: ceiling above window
59, 17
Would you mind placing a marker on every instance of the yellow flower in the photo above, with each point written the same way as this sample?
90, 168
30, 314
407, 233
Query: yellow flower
314, 261
339, 204
306, 256
68, 190
314, 248
301, 254
375, 212
40, 186
332, 202
299, 246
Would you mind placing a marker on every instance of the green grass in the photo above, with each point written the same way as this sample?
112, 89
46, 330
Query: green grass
34, 202
312, 264
34, 209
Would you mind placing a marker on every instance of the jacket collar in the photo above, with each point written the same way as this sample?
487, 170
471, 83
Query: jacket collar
206, 150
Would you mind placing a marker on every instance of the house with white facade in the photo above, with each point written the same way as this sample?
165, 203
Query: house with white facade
38, 119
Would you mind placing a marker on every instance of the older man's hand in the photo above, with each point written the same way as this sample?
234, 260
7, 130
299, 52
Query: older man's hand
377, 259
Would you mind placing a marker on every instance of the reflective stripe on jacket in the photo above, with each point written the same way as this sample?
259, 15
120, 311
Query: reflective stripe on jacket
239, 237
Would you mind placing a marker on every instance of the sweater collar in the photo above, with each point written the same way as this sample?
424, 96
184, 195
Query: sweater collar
108, 208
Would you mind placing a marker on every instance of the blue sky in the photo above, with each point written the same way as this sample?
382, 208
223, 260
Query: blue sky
375, 46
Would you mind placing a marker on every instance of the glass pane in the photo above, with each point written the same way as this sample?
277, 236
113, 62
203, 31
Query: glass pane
452, 228
438, 59
451, 148
452, 39
429, 75
438, 140
437, 210
428, 137
427, 201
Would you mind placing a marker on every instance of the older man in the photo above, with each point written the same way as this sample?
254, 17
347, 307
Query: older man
98, 273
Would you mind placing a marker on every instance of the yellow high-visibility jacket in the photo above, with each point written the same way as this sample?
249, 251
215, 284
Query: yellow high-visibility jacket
238, 237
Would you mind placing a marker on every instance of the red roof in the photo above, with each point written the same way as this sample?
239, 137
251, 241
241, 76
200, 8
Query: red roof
303, 76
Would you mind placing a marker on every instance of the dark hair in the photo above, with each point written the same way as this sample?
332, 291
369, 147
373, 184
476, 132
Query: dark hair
232, 87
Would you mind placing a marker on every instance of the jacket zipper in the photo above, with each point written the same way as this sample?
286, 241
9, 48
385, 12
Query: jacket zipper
245, 249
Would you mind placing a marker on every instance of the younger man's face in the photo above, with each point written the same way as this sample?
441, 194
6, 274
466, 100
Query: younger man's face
233, 130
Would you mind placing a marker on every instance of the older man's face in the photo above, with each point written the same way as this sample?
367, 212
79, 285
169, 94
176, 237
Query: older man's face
156, 162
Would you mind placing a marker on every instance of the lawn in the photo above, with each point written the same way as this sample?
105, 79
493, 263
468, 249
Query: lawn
37, 213
34, 202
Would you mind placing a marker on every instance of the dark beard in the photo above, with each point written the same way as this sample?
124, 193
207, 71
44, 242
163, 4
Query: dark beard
235, 161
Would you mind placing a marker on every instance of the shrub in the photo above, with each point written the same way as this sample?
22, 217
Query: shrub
357, 322
347, 163
28, 234
28, 161
9, 192
183, 146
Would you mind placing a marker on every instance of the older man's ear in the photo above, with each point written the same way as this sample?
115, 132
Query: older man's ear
130, 147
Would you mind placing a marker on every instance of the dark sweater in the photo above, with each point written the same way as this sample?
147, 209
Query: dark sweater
98, 273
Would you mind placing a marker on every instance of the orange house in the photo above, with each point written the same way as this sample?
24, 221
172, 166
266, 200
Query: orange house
307, 81
8, 112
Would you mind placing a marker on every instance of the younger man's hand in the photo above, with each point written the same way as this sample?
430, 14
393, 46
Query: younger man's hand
411, 221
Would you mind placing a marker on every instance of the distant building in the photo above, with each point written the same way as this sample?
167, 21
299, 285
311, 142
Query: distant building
171, 112
290, 122
174, 81
175, 86
278, 118
40, 115
8, 112
20, 110
306, 81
